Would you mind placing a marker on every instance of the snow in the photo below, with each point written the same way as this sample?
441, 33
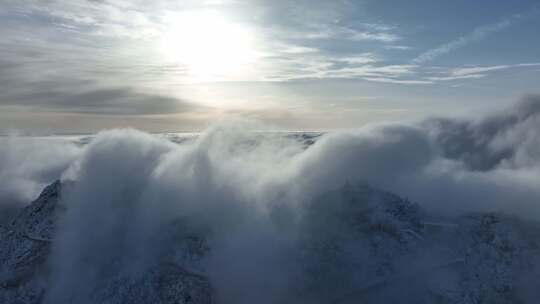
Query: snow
357, 244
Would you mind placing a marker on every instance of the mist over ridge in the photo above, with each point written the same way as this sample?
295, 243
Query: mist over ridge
409, 159
128, 194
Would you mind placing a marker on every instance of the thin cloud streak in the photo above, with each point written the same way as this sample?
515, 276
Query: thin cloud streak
477, 34
473, 72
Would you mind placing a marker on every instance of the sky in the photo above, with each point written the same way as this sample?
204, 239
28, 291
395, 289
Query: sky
84, 65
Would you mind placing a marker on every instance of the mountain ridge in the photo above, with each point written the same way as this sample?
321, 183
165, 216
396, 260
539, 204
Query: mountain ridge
356, 243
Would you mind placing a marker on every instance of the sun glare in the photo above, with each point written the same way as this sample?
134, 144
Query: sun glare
209, 46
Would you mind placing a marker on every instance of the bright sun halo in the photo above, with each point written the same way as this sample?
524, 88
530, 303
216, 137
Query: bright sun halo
210, 47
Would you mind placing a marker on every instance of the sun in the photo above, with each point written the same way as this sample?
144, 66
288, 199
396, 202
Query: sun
210, 47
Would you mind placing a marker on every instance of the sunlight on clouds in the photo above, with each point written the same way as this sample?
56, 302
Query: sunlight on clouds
211, 47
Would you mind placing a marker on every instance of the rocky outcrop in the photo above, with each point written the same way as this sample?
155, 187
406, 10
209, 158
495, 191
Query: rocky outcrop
25, 271
26, 244
368, 245
356, 244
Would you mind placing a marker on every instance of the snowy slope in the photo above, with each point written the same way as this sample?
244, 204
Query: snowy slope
355, 244
26, 245
386, 250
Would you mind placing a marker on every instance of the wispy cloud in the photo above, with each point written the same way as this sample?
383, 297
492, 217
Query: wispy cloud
375, 71
471, 72
466, 71
398, 47
363, 58
105, 57
482, 69
365, 66
380, 36
397, 81
477, 34
455, 77
332, 31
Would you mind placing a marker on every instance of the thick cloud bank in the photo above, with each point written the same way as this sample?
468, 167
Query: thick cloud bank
130, 194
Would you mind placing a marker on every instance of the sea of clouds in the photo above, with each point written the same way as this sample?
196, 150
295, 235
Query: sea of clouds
249, 188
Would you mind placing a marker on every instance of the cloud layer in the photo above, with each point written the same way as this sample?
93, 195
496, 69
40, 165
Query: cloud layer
245, 192
110, 101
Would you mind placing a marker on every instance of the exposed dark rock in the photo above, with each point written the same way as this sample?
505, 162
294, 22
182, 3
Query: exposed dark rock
357, 244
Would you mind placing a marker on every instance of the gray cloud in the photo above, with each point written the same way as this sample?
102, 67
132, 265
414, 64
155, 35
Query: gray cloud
117, 101
489, 142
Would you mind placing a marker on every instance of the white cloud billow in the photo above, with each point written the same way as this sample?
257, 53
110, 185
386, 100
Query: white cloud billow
244, 190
